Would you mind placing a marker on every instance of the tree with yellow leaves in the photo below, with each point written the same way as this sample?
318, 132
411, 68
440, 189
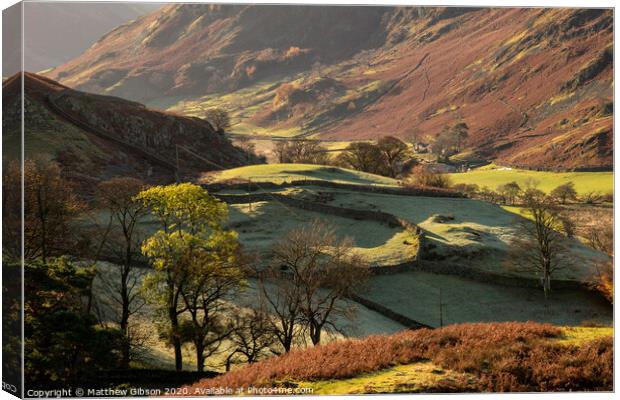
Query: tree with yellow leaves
196, 266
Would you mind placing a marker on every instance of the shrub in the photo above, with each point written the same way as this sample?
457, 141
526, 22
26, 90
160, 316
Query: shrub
467, 189
564, 192
424, 176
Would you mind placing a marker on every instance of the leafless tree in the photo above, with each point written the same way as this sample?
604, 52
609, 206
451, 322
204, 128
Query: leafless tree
509, 191
122, 247
319, 271
247, 146
49, 206
540, 246
304, 151
283, 297
252, 337
564, 192
363, 156
422, 175
219, 118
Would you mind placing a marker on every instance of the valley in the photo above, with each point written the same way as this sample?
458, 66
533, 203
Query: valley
316, 200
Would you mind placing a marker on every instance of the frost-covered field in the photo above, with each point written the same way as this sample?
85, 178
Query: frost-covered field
416, 295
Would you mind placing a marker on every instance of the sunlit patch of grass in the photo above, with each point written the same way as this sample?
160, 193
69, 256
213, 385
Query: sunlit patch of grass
492, 176
279, 173
516, 38
416, 377
579, 335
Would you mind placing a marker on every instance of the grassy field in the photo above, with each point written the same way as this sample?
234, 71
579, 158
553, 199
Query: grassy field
493, 176
473, 232
242, 104
279, 173
260, 224
416, 294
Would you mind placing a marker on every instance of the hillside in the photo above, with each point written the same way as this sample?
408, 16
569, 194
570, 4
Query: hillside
498, 357
96, 137
534, 85
425, 247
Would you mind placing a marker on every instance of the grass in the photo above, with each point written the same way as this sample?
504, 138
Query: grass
482, 357
478, 233
416, 377
259, 228
52, 137
493, 176
279, 173
580, 335
416, 294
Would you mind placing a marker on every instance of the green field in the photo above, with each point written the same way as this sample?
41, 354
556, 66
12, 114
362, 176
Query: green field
279, 173
492, 176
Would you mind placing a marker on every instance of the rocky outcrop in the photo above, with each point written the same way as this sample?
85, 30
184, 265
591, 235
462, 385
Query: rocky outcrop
98, 137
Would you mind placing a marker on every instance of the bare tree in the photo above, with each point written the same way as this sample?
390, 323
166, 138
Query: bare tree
564, 192
49, 206
363, 156
443, 145
460, 131
422, 175
252, 337
122, 246
304, 151
219, 118
283, 297
540, 246
600, 236
321, 270
509, 191
247, 146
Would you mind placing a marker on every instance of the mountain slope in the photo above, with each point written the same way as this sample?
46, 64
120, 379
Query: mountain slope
97, 137
534, 85
192, 49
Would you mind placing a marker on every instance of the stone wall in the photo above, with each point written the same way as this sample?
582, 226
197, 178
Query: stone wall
402, 191
463, 271
362, 215
401, 319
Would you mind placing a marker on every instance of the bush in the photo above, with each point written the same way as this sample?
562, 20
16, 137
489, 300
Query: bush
468, 190
424, 176
564, 192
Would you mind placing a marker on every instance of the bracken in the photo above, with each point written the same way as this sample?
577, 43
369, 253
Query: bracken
503, 356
